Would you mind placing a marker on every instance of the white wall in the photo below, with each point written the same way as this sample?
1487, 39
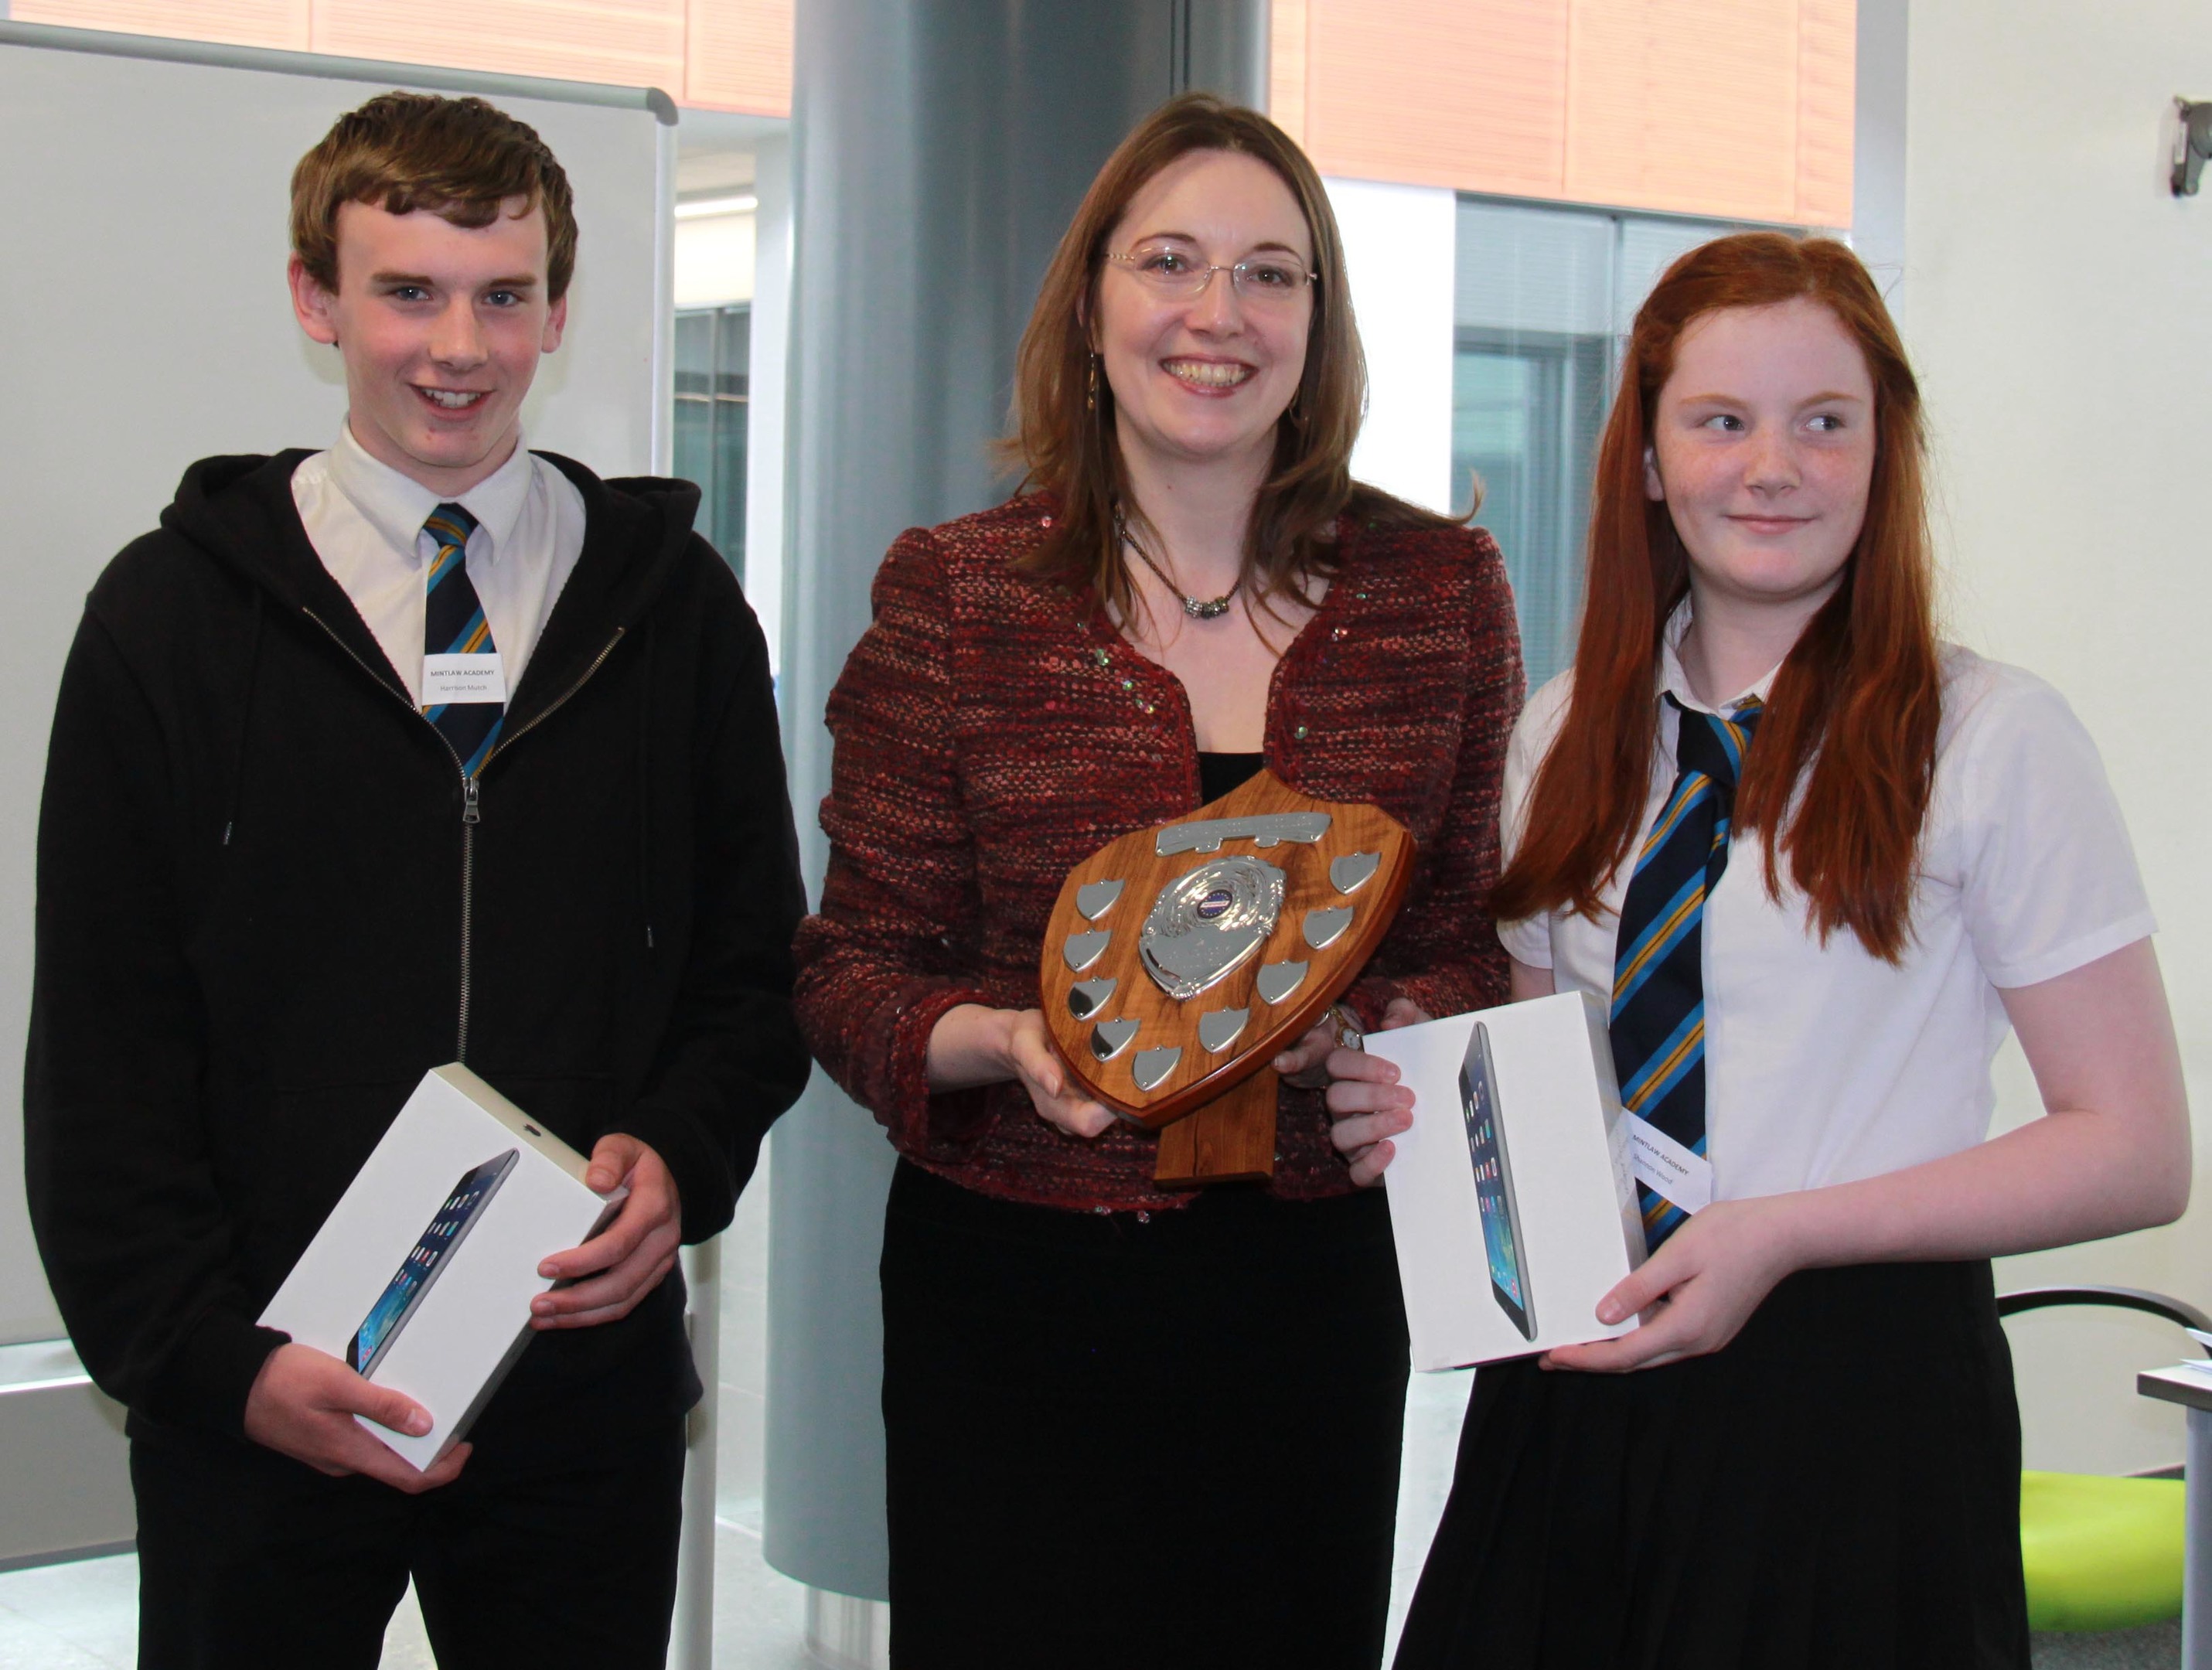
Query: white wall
714, 256
2059, 309
1398, 242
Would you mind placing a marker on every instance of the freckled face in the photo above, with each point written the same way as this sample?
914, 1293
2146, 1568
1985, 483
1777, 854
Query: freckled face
1205, 378
440, 327
1763, 449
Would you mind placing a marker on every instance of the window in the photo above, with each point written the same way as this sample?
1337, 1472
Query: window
1543, 298
714, 360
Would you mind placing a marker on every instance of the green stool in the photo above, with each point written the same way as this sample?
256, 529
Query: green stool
2102, 1553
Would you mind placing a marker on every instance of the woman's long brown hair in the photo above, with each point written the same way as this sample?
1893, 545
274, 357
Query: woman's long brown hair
1838, 773
1063, 422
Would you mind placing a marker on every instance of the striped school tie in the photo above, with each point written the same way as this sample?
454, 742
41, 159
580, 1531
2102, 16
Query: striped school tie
453, 624
1658, 1022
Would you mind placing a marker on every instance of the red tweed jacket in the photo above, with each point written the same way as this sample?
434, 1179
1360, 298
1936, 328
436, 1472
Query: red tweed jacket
991, 732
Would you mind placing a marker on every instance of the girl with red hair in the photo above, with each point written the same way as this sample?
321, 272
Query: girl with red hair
1808, 1452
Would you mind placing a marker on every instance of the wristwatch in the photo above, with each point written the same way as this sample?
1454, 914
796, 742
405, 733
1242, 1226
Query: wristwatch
1350, 1034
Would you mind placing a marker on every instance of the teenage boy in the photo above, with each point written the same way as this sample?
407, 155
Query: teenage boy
423, 748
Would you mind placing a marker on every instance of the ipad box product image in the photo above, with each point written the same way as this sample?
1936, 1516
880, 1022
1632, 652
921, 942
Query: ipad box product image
421, 1278
1511, 1200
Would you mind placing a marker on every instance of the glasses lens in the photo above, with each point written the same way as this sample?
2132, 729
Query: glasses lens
1169, 270
1269, 281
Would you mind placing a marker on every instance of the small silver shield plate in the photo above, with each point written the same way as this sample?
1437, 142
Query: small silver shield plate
1220, 1028
1353, 871
1277, 981
1095, 899
1109, 1038
1323, 928
1083, 950
1151, 1066
1086, 997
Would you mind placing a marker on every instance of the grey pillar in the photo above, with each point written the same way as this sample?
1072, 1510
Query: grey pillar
941, 147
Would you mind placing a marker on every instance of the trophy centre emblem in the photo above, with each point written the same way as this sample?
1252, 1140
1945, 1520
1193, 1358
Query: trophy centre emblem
1207, 921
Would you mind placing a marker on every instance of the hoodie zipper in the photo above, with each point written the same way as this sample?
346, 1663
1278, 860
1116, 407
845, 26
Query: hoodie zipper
471, 797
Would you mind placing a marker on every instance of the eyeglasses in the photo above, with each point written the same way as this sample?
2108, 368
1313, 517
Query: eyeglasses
1260, 281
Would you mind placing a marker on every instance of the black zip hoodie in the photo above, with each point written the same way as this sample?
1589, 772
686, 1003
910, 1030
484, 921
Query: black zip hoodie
269, 901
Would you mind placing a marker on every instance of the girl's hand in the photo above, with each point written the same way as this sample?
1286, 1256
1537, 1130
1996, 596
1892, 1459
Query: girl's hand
1695, 1292
1365, 1100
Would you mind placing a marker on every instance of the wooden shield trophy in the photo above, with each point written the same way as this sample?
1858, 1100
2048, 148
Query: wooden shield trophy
1179, 960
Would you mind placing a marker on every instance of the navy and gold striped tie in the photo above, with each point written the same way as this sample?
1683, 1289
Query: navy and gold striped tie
453, 624
1658, 1025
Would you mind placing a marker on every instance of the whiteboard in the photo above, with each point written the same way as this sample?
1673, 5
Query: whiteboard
144, 323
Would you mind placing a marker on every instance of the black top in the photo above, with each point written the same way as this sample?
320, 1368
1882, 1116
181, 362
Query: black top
1218, 774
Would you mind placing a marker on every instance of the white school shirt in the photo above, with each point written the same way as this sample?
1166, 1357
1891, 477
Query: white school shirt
365, 520
1824, 1064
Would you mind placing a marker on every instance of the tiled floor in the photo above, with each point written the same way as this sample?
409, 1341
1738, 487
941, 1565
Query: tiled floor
78, 1617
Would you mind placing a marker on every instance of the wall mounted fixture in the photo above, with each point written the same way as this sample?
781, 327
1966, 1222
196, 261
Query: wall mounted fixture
2191, 146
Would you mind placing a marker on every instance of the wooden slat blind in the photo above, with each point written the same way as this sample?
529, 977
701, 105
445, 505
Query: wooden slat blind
1740, 109
279, 23
1683, 103
1828, 85
728, 54
1735, 108
737, 57
638, 43
1287, 66
1429, 92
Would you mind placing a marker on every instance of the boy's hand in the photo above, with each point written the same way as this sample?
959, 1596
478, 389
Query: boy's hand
625, 1260
303, 1404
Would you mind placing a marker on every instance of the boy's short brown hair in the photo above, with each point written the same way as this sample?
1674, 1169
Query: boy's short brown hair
460, 158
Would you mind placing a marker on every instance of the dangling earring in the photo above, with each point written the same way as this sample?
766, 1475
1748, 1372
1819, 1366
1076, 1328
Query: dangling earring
1090, 394
1297, 411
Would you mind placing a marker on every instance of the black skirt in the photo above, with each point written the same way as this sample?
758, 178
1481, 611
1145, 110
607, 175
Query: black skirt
1160, 1442
1839, 1487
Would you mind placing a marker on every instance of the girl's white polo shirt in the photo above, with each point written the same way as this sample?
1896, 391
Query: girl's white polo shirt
1823, 1064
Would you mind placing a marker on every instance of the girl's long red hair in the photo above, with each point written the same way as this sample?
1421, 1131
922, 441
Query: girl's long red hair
1839, 774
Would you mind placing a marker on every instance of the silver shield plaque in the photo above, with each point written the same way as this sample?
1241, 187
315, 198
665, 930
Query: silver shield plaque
1207, 921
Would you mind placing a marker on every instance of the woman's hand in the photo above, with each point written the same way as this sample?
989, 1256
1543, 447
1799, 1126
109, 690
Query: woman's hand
1697, 1291
1365, 1101
1059, 1100
972, 1045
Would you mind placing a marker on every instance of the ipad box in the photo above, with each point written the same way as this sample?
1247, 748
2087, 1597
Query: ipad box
421, 1278
1511, 1200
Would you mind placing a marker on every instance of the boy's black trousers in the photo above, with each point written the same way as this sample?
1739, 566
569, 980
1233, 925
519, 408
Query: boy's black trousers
548, 1550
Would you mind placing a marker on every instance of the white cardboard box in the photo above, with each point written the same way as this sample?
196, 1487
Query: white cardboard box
1508, 1235
421, 1276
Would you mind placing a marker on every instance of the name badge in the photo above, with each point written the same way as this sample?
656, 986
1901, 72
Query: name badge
450, 678
1665, 1166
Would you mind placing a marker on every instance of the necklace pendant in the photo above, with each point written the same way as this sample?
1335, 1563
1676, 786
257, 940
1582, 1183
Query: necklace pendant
1207, 608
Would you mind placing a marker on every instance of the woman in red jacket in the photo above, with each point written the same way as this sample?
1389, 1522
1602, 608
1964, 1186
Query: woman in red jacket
1125, 1426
